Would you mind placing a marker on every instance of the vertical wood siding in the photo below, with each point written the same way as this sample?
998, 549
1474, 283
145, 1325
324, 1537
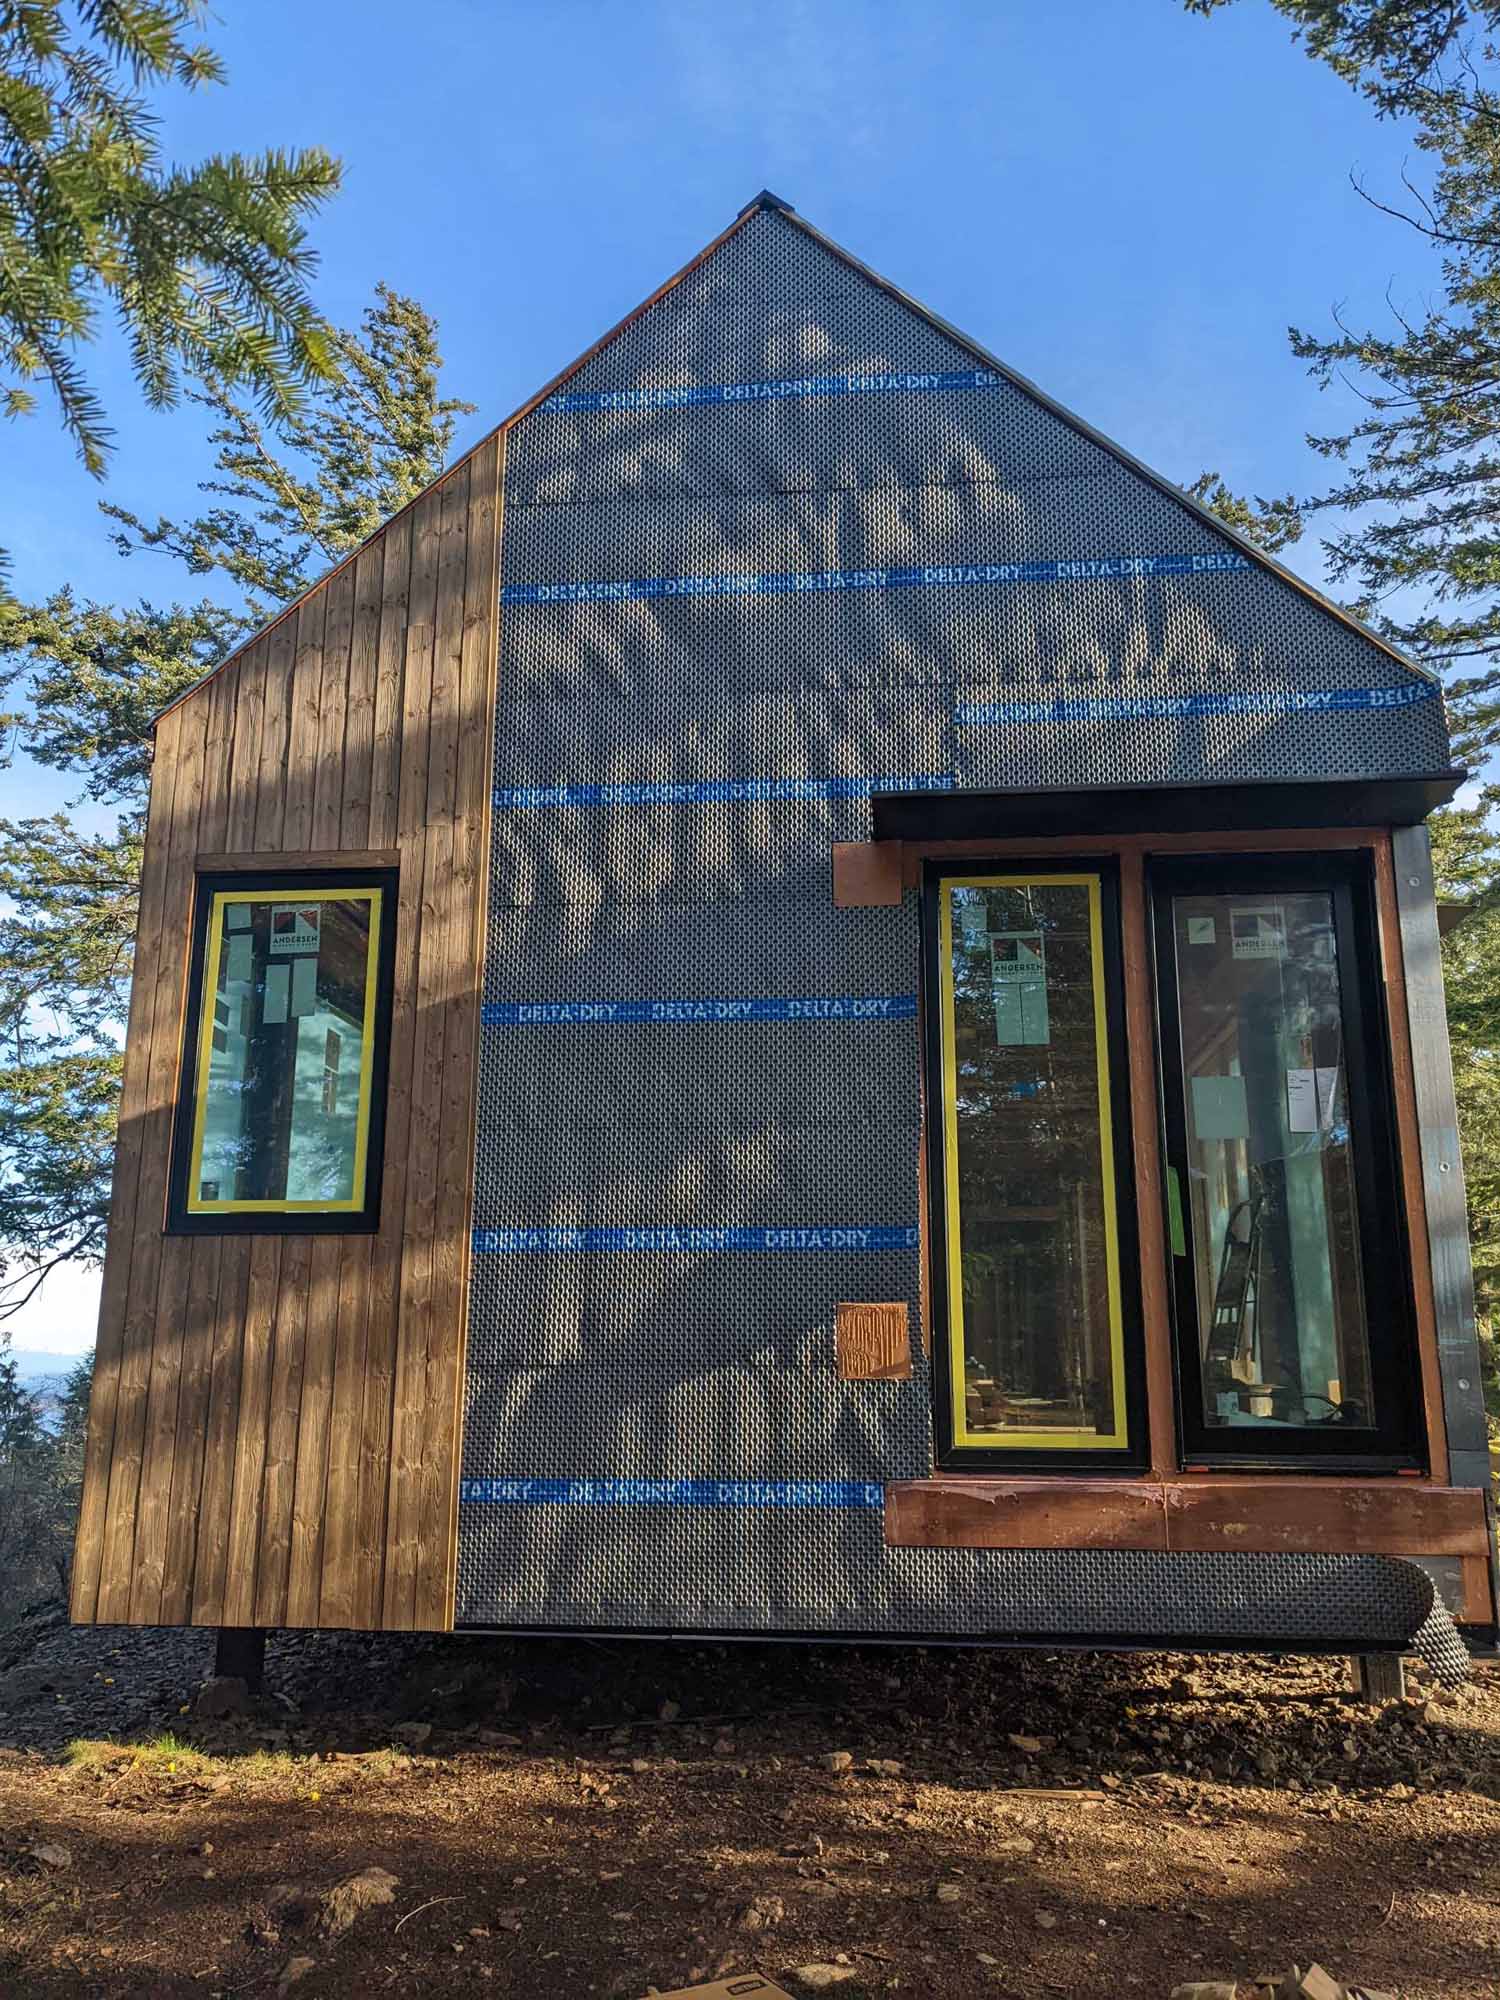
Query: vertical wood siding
274, 1432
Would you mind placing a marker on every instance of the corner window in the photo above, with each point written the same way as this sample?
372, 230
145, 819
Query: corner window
1290, 1282
1036, 1275
281, 1108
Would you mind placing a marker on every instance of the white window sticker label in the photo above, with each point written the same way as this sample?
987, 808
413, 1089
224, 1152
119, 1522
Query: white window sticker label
1310, 1098
295, 928
1220, 1109
1302, 1100
278, 991
1202, 930
304, 986
240, 960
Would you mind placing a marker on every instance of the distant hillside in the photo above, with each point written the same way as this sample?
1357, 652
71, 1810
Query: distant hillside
39, 1370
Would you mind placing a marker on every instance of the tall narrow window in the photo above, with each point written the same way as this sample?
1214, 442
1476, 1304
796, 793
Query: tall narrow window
284, 1064
1032, 1277
1290, 1282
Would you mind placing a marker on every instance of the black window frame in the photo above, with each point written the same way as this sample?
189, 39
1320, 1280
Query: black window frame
272, 882
1397, 1442
1134, 1456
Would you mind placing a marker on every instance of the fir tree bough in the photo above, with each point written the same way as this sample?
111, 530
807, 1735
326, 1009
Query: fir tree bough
290, 497
205, 266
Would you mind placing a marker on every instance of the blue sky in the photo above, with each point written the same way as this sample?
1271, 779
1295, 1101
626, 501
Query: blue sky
1127, 203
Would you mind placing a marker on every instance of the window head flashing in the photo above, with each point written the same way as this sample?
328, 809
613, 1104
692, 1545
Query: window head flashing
1252, 805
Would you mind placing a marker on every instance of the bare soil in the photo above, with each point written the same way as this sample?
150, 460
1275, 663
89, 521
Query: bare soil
569, 1818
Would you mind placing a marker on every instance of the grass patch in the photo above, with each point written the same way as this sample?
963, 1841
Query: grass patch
265, 1763
165, 1756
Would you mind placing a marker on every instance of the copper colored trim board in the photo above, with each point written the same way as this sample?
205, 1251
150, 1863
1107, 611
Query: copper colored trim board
871, 1342
1273, 840
369, 858
866, 874
1478, 1607
1256, 1515
927, 1130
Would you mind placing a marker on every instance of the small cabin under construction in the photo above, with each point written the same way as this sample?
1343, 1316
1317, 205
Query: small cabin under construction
803, 1002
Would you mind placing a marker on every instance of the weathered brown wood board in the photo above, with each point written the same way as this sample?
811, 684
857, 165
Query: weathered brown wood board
870, 1342
274, 1432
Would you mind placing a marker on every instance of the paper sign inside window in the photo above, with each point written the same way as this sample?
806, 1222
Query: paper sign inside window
1018, 980
1311, 1096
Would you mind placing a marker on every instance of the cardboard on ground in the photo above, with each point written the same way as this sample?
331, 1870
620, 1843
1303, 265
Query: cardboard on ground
748, 1984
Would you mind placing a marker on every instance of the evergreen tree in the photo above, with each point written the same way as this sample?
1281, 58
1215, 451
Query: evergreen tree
204, 266
1270, 524
41, 1478
73, 1418
289, 498
1419, 474
25, 1497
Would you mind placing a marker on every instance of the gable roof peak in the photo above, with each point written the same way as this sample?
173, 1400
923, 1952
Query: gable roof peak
765, 199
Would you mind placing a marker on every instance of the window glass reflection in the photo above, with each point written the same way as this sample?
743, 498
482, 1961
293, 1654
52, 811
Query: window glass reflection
284, 1062
1271, 1189
1034, 1298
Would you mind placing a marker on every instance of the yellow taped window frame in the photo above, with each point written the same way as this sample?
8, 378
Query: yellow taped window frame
1034, 1442
269, 890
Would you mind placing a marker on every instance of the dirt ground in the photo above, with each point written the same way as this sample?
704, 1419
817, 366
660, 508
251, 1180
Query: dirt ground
590, 1818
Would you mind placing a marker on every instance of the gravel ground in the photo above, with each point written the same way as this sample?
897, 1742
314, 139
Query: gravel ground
569, 1818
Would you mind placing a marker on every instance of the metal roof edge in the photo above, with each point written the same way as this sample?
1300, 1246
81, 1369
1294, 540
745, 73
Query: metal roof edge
1095, 436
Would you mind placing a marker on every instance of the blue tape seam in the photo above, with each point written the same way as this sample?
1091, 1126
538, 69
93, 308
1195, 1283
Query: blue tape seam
917, 576
719, 791
568, 402
505, 1242
1135, 707
822, 1493
619, 1013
